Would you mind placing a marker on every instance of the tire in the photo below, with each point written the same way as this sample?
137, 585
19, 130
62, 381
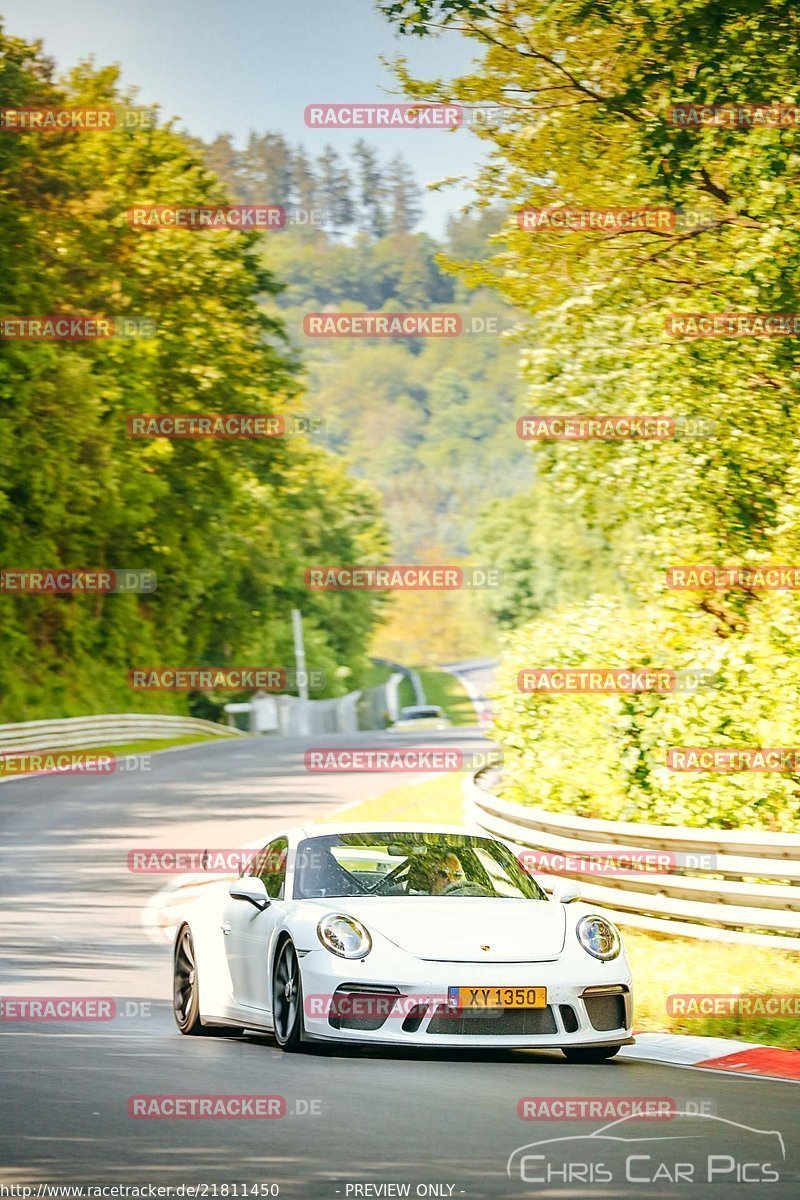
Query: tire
590, 1054
186, 991
287, 1000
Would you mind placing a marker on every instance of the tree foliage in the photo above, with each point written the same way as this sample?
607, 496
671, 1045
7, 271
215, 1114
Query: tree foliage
228, 526
585, 91
362, 195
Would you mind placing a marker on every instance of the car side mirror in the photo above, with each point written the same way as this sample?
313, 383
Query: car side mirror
565, 891
251, 889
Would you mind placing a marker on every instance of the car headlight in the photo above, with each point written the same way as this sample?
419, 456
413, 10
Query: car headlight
344, 936
599, 937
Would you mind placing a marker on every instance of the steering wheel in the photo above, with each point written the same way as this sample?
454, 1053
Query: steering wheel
462, 887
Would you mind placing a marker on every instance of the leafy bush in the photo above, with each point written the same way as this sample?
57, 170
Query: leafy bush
604, 755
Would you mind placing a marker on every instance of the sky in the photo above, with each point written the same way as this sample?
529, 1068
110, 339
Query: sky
223, 66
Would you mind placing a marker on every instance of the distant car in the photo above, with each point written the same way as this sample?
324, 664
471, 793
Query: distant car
412, 935
421, 716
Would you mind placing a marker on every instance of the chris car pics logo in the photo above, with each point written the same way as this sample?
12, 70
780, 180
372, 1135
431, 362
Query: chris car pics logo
699, 1148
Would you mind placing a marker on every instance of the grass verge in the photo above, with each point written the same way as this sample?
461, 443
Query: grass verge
406, 696
374, 675
662, 966
449, 693
435, 800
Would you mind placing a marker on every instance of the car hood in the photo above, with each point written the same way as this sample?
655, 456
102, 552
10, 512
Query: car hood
463, 929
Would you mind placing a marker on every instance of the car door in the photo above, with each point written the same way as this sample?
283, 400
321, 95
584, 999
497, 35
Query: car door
248, 932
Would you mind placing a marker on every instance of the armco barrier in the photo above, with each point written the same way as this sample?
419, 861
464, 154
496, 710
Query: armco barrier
740, 885
408, 673
74, 733
305, 718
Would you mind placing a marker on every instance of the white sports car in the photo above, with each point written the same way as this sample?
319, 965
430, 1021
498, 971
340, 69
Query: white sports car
420, 716
413, 935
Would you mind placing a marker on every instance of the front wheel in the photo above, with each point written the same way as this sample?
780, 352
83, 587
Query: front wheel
589, 1054
287, 999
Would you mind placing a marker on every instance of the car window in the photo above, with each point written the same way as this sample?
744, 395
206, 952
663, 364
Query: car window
270, 867
410, 864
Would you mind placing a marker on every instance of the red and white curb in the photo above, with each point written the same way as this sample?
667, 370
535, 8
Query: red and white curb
715, 1054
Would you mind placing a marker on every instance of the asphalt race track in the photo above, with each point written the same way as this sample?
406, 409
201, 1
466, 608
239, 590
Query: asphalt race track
442, 1123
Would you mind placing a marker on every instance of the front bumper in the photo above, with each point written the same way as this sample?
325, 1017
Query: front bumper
587, 1006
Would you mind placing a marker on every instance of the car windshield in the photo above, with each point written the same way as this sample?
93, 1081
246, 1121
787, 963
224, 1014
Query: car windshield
410, 864
417, 714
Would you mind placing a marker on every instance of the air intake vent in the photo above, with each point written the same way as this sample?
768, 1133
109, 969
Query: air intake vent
568, 1018
415, 1018
511, 1021
360, 1007
606, 1012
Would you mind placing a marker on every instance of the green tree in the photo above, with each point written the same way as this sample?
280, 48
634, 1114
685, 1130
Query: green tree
371, 190
265, 171
334, 189
586, 92
402, 195
228, 527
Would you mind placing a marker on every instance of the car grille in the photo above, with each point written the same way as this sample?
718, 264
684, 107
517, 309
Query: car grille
606, 1012
527, 1022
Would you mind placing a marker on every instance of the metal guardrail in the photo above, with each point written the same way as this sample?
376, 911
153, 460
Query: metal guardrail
74, 733
305, 718
721, 885
408, 673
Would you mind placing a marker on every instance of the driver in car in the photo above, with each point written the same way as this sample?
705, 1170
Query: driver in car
438, 872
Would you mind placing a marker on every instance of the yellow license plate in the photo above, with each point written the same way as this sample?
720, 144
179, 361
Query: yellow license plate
497, 997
